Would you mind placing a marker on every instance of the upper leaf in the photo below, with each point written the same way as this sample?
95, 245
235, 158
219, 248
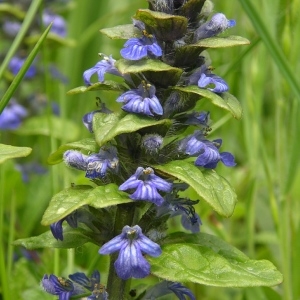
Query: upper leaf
222, 42
155, 71
107, 85
205, 259
107, 126
70, 199
50, 126
8, 151
164, 26
122, 32
188, 54
88, 145
223, 100
213, 188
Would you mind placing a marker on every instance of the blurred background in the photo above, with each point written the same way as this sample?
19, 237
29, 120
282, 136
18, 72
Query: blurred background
265, 142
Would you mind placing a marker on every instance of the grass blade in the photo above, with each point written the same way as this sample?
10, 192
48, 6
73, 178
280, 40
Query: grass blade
10, 91
272, 46
17, 41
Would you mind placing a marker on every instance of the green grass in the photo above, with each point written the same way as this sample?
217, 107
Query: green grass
262, 76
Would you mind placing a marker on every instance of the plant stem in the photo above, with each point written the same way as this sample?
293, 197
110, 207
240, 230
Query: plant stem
116, 287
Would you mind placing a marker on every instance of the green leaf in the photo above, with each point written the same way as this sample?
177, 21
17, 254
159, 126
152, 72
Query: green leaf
107, 85
73, 238
8, 151
49, 126
205, 259
222, 42
70, 199
108, 126
156, 71
223, 100
121, 32
88, 145
165, 27
186, 55
213, 188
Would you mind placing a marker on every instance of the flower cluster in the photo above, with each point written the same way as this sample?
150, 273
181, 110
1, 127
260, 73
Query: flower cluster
95, 165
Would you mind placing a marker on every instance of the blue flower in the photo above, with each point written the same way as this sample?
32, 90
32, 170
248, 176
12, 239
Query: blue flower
167, 287
137, 48
97, 164
141, 100
106, 65
191, 222
192, 144
220, 84
61, 287
210, 156
57, 229
15, 65
131, 243
198, 118
184, 207
146, 184
181, 291
207, 151
203, 78
215, 26
58, 23
12, 116
92, 284
11, 28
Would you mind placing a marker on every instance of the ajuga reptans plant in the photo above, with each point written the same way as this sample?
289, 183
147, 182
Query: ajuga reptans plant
144, 160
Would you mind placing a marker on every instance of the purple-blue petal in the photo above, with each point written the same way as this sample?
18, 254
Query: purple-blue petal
147, 246
155, 49
227, 159
160, 183
113, 245
147, 192
57, 230
220, 84
134, 49
209, 158
131, 263
106, 65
